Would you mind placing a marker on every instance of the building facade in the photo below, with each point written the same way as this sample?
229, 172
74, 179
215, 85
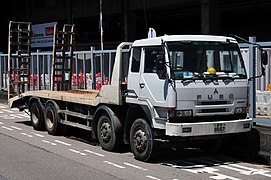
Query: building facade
127, 20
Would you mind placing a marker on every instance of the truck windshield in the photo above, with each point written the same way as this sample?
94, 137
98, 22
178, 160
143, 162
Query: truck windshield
204, 60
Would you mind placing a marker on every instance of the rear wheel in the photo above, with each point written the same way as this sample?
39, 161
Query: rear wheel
142, 141
107, 136
37, 116
51, 120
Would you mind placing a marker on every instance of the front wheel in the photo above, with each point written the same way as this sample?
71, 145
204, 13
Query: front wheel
108, 138
142, 141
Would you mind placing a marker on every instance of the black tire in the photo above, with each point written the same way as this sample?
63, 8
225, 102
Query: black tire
142, 141
37, 116
107, 137
51, 120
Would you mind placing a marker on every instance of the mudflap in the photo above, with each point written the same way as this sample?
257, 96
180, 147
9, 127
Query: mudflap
20, 103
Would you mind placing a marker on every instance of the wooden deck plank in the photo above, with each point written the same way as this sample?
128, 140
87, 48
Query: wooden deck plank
87, 97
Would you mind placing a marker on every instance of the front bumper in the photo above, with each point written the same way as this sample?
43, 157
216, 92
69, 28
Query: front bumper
208, 128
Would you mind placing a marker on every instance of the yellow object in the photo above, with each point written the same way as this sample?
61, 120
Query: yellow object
268, 87
211, 70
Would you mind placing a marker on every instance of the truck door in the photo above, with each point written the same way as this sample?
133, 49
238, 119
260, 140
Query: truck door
153, 83
134, 72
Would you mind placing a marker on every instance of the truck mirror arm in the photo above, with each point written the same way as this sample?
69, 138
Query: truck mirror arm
264, 56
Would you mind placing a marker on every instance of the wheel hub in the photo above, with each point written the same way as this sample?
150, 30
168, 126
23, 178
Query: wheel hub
105, 132
140, 140
49, 120
35, 118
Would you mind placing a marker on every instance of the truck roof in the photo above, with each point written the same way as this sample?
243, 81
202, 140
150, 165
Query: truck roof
173, 38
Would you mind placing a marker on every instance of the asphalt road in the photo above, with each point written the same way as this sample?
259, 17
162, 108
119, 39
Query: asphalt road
29, 154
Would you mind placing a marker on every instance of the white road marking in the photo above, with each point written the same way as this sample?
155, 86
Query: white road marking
151, 177
98, 154
188, 166
77, 152
219, 176
16, 116
48, 142
39, 135
235, 169
1, 112
26, 134
249, 171
1, 123
3, 107
135, 166
113, 164
211, 171
4, 127
6, 110
23, 115
8, 117
14, 127
61, 142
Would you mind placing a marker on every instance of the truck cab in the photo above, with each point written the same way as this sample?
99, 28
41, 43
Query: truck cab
192, 85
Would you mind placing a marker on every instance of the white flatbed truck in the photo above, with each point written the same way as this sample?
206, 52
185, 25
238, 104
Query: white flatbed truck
180, 88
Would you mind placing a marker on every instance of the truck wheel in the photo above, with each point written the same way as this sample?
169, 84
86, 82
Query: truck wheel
51, 120
37, 116
141, 141
108, 138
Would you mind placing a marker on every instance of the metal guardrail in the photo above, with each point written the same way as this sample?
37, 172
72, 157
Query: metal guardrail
86, 64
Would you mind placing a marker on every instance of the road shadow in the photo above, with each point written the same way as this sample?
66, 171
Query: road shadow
86, 137
28, 123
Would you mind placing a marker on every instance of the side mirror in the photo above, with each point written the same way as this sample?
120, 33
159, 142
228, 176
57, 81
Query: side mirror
264, 57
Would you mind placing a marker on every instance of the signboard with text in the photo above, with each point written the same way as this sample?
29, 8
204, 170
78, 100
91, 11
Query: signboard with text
42, 35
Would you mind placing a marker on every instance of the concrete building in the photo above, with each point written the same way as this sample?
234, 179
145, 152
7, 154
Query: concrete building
127, 20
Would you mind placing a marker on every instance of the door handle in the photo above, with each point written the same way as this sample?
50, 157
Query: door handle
142, 85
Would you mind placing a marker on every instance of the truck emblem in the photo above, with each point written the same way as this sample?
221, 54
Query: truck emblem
215, 92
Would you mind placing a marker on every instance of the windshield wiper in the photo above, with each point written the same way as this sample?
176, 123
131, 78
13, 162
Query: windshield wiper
187, 81
210, 79
227, 79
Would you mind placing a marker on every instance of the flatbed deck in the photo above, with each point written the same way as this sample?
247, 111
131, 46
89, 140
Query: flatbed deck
87, 97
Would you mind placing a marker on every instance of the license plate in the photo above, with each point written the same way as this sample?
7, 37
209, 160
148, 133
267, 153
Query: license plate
220, 128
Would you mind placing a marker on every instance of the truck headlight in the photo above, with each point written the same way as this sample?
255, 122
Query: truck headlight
240, 110
184, 113
179, 113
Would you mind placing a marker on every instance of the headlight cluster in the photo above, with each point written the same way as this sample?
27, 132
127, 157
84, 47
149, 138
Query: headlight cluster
240, 110
181, 113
